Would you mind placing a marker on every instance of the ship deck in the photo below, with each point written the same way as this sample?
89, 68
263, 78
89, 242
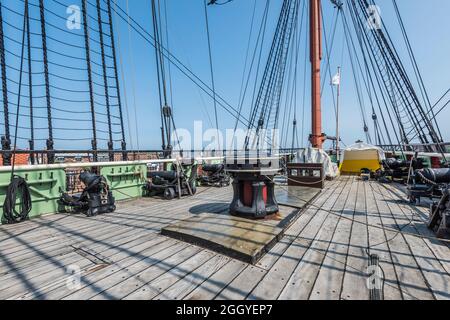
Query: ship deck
322, 255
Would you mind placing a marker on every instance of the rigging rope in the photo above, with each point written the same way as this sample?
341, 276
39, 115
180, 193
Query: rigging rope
258, 45
105, 81
169, 66
165, 110
30, 82
75, 83
211, 66
50, 141
116, 77
18, 185
401, 93
19, 95
265, 112
133, 73
364, 44
179, 65
122, 72
352, 53
6, 139
417, 72
94, 144
247, 52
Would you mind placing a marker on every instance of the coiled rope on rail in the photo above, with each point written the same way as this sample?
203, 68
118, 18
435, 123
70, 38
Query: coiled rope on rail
17, 187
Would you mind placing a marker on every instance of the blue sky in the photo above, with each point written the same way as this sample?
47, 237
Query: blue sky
427, 24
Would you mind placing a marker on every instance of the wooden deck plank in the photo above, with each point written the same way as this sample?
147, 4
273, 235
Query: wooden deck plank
100, 283
83, 238
60, 264
436, 276
10, 232
329, 280
140, 279
187, 284
61, 244
69, 232
354, 286
276, 279
410, 278
315, 247
115, 253
47, 229
379, 245
57, 288
242, 285
115, 244
304, 277
217, 282
293, 231
243, 239
155, 287
128, 209
116, 257
440, 249
37, 254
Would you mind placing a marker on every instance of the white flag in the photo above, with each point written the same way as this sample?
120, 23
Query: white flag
336, 80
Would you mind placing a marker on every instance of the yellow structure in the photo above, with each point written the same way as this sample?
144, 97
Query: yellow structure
361, 156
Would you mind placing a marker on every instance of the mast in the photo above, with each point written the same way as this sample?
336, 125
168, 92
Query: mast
317, 137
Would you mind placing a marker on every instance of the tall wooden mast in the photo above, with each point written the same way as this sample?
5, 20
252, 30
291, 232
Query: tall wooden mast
317, 137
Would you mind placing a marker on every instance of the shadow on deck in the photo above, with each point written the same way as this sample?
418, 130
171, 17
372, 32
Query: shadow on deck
322, 254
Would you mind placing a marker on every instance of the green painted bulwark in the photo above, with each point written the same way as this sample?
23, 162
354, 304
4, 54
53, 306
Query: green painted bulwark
126, 182
45, 187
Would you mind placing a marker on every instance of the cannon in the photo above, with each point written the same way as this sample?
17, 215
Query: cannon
398, 170
430, 176
439, 220
428, 183
174, 183
96, 198
214, 175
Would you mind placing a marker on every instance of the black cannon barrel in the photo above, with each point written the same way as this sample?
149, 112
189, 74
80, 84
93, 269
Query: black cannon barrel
434, 175
166, 175
392, 163
213, 168
88, 178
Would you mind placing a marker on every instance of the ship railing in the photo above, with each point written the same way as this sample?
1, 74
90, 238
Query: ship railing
422, 149
48, 182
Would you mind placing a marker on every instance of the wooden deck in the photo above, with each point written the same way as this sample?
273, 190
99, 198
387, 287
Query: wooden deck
323, 255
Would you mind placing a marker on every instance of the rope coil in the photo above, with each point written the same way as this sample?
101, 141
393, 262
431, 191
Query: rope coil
17, 187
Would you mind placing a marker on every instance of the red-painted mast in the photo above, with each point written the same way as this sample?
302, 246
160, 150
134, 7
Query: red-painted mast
317, 137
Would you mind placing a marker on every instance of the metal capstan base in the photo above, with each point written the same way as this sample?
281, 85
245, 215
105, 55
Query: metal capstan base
253, 187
